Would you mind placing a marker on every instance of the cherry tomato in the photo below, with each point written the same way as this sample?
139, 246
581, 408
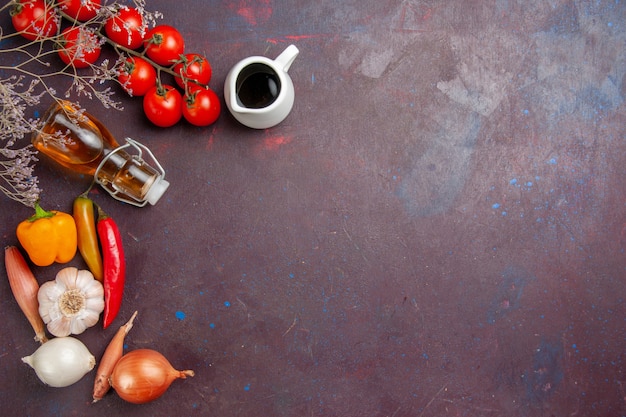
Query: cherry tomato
126, 28
201, 106
80, 46
164, 45
193, 67
80, 10
34, 19
162, 105
137, 76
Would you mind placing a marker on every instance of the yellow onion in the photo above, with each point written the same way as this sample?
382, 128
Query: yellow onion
143, 375
61, 361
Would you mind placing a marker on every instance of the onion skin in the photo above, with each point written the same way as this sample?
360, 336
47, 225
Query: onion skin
25, 288
143, 375
111, 355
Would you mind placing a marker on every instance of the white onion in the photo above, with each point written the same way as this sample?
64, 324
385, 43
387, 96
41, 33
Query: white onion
61, 361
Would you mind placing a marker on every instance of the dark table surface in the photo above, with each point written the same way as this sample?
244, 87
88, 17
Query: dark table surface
438, 228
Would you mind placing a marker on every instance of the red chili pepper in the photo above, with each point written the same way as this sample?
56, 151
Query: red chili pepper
114, 266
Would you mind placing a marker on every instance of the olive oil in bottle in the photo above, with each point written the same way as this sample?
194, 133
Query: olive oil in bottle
78, 141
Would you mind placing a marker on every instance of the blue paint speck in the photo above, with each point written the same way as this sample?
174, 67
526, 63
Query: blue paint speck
495, 206
529, 184
552, 161
227, 303
212, 325
513, 181
180, 315
247, 387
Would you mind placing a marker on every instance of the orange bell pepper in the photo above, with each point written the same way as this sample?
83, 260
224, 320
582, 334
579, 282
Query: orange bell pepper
48, 236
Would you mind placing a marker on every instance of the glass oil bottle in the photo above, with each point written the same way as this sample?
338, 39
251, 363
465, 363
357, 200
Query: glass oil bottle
77, 140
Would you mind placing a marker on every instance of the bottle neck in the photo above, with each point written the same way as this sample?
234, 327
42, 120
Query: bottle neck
121, 174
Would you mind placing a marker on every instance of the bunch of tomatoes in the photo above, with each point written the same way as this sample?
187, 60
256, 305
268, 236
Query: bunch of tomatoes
148, 52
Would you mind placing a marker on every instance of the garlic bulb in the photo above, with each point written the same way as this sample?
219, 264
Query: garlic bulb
61, 361
71, 303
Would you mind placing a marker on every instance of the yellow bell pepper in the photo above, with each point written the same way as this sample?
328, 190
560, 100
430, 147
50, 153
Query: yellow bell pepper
48, 236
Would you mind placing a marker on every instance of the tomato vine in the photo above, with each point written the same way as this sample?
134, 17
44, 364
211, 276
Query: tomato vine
63, 39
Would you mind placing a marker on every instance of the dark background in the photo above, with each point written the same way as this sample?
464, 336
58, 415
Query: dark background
438, 228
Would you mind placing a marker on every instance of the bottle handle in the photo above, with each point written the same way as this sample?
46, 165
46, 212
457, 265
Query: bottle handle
116, 194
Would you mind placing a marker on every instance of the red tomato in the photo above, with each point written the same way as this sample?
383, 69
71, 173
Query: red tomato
34, 19
164, 45
126, 28
201, 107
81, 10
137, 76
81, 46
163, 105
193, 67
